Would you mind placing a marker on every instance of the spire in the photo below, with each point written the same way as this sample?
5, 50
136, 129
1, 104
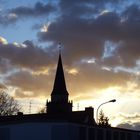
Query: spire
59, 87
59, 96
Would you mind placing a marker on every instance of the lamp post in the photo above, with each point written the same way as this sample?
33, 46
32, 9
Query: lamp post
110, 101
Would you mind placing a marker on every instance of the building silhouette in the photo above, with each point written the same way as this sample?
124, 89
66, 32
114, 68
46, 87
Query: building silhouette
60, 107
60, 122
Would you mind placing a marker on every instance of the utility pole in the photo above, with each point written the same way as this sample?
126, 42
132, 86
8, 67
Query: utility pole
78, 106
30, 107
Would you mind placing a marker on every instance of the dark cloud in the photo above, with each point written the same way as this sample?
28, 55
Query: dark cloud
132, 126
84, 35
80, 7
39, 9
132, 13
29, 85
130, 50
88, 79
7, 19
26, 67
93, 77
5, 66
32, 71
11, 16
82, 38
130, 121
26, 55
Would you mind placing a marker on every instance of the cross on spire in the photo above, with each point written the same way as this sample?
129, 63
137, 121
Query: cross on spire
60, 47
59, 83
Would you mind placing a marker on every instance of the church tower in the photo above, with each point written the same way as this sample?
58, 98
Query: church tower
59, 97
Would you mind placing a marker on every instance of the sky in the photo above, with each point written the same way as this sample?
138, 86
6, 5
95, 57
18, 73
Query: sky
100, 51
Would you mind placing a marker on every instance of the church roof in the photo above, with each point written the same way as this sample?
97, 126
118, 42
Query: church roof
59, 87
79, 117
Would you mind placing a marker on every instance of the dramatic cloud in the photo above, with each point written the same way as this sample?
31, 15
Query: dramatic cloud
93, 77
31, 71
39, 83
83, 28
39, 9
26, 55
84, 34
9, 16
29, 85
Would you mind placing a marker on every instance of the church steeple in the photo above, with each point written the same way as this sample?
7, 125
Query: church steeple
59, 97
59, 87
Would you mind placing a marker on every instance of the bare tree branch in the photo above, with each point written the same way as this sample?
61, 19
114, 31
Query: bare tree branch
8, 105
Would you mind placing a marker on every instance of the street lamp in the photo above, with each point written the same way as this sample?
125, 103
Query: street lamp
111, 101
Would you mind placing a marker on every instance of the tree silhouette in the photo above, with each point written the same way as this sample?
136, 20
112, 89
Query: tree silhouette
103, 120
8, 105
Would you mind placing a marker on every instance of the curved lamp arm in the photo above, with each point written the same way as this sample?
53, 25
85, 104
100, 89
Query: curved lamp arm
114, 100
